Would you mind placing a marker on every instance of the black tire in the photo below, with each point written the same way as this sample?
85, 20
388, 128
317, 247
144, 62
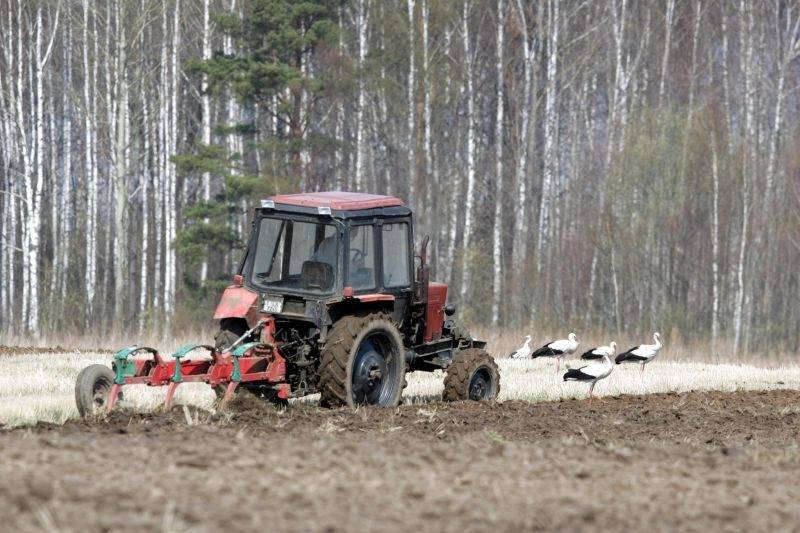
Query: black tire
473, 375
92, 388
230, 329
362, 363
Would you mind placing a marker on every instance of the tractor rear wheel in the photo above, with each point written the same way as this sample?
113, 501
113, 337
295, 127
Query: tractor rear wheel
362, 363
92, 388
473, 375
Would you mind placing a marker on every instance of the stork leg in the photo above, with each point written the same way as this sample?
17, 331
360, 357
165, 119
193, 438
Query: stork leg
641, 369
591, 391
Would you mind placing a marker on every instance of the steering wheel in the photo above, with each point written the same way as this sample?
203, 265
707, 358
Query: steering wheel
358, 255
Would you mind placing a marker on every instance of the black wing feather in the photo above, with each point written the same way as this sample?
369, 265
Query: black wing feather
546, 351
589, 355
575, 374
630, 356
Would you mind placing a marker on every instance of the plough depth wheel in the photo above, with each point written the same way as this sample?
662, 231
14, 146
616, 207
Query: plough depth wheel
92, 389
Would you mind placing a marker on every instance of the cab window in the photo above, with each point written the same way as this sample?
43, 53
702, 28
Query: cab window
395, 255
361, 258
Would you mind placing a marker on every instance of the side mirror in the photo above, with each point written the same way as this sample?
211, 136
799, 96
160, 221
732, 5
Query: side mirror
450, 309
238, 280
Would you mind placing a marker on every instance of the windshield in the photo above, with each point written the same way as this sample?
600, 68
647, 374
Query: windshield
294, 255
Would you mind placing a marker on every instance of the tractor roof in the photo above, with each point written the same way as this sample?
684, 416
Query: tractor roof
337, 200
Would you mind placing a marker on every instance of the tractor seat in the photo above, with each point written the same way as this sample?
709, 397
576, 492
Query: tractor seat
316, 275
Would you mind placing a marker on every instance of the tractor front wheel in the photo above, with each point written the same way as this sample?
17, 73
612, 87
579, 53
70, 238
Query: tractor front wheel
473, 375
92, 388
362, 363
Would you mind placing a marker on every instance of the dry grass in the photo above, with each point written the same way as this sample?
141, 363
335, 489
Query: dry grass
501, 342
39, 387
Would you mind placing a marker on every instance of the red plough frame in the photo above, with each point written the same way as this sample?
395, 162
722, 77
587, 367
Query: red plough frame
242, 363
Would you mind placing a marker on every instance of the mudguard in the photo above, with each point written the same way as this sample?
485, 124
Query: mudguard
237, 302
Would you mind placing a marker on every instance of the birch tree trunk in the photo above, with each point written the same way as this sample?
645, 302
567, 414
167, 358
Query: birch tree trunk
67, 200
518, 258
362, 21
698, 14
121, 278
412, 139
34, 197
470, 147
9, 243
18, 150
431, 178
90, 171
550, 135
145, 253
715, 247
729, 108
171, 186
383, 108
788, 54
747, 168
340, 180
447, 250
23, 127
497, 240
668, 22
205, 100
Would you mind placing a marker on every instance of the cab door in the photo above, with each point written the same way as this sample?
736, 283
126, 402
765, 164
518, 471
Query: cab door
396, 262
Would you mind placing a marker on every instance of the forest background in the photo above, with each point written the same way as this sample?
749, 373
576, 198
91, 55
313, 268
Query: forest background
618, 165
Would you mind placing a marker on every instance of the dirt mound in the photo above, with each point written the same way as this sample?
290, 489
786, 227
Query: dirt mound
711, 461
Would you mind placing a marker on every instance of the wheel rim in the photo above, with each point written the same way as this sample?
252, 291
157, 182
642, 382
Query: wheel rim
100, 393
373, 372
480, 385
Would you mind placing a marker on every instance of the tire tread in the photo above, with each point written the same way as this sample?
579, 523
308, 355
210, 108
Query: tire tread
335, 357
456, 382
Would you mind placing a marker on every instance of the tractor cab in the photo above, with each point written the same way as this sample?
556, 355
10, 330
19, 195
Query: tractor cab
329, 248
316, 256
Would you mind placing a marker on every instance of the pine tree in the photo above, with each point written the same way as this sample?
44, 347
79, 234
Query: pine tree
273, 42
274, 38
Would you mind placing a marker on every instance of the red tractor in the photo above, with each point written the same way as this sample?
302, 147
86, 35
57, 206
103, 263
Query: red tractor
327, 299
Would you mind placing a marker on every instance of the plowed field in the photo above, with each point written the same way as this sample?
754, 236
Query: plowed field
693, 461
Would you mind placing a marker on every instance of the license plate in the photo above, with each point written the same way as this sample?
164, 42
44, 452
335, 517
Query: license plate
272, 304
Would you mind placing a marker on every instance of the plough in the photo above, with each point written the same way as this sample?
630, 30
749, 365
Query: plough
257, 362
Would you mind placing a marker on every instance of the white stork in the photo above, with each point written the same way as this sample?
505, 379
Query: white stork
558, 349
525, 351
642, 354
594, 372
600, 351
